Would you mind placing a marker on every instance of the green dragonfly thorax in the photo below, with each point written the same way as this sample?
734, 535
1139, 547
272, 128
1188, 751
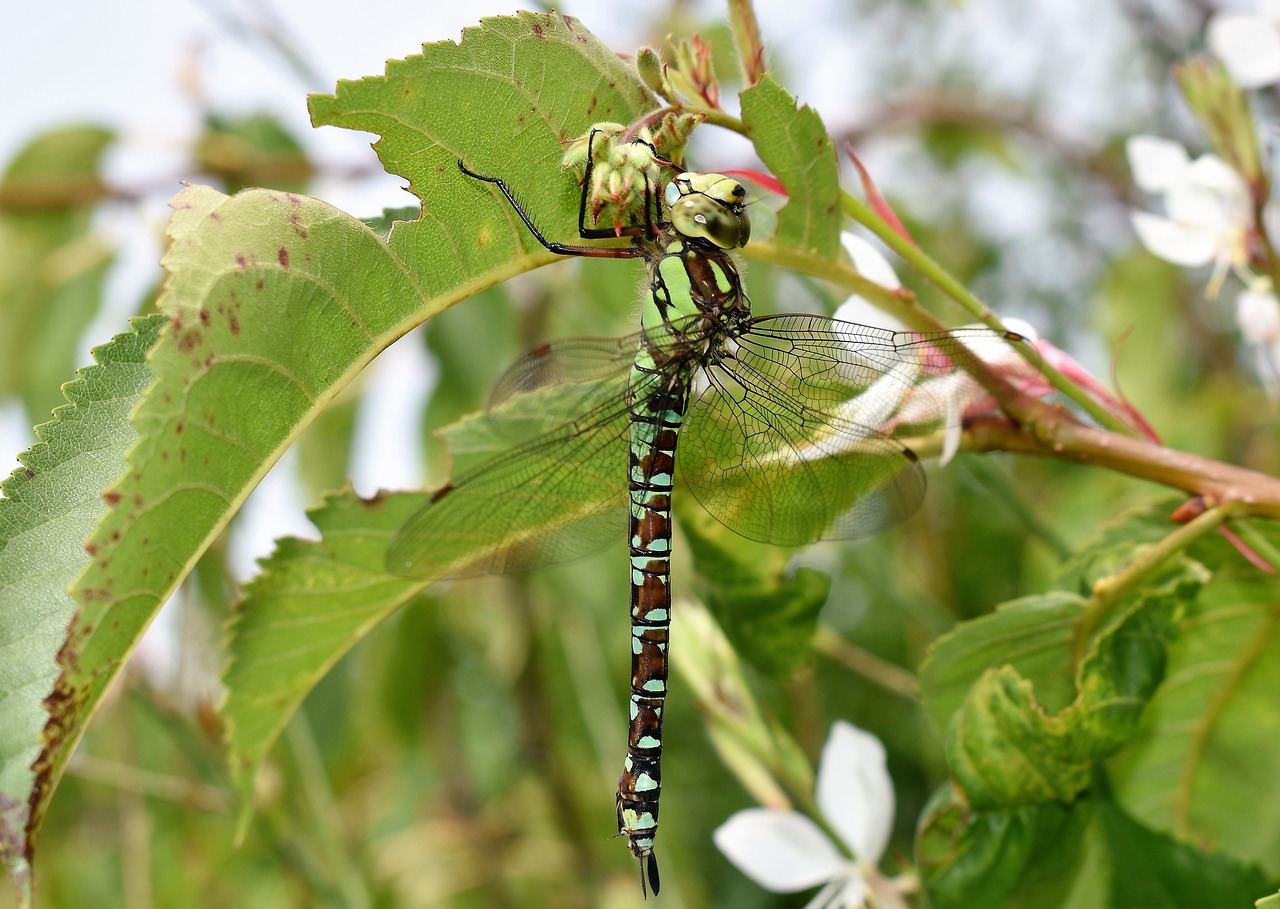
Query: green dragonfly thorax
709, 207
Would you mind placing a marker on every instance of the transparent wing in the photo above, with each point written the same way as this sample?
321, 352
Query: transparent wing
557, 493
558, 382
786, 442
552, 499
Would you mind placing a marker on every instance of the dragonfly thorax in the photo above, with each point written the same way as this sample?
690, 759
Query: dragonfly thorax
710, 207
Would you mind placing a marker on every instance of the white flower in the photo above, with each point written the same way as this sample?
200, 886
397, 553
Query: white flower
1248, 44
785, 851
945, 399
873, 266
950, 398
1206, 203
1258, 316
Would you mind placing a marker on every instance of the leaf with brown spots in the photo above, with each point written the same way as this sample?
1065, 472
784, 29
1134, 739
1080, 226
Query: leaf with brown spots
50, 506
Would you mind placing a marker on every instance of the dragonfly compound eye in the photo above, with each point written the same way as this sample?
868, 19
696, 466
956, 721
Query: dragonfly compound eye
699, 216
709, 207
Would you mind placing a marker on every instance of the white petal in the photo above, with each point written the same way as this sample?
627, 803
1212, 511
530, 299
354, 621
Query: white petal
846, 893
855, 792
782, 851
1178, 243
1157, 164
955, 430
869, 262
863, 312
1258, 315
1211, 173
853, 894
1249, 46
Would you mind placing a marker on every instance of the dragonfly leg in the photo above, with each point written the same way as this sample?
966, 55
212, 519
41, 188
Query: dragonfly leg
562, 249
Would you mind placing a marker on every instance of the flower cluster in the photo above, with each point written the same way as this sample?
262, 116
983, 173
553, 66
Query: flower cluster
1210, 208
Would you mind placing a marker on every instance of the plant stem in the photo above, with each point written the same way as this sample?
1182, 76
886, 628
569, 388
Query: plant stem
1052, 432
868, 665
925, 265
1112, 587
1108, 590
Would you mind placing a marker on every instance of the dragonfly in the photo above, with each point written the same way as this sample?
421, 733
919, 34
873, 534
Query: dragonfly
783, 424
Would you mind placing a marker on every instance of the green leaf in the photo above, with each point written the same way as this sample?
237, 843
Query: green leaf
1089, 855
1205, 754
312, 603
52, 265
275, 301
1032, 635
1028, 856
1156, 872
506, 99
1005, 750
768, 613
793, 143
50, 506
1172, 690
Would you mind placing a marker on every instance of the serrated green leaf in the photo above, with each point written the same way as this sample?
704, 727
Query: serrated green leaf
50, 506
1005, 750
52, 266
1205, 754
312, 602
505, 99
794, 145
275, 301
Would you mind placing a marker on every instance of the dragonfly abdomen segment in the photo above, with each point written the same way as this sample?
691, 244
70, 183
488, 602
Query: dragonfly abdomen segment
655, 424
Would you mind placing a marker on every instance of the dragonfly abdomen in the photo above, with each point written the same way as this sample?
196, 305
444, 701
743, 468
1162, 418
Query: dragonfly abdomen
655, 425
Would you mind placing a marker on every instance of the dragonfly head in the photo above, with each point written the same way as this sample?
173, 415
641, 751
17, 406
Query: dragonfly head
709, 207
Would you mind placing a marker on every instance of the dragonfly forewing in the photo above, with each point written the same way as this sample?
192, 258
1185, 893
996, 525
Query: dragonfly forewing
555, 498
788, 438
